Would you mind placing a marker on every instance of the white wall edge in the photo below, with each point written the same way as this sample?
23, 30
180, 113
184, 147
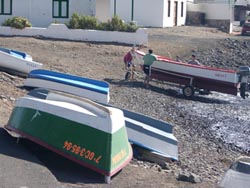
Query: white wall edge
61, 31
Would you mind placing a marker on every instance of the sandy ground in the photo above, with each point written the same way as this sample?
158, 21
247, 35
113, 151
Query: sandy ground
104, 62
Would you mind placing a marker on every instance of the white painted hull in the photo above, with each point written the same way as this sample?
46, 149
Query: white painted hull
197, 76
21, 65
88, 88
151, 134
197, 71
166, 64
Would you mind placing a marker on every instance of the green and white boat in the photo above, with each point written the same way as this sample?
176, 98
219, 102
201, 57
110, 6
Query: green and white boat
88, 133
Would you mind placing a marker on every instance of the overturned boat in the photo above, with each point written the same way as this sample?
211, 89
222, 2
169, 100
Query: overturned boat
143, 131
17, 62
198, 77
84, 87
238, 175
81, 130
151, 134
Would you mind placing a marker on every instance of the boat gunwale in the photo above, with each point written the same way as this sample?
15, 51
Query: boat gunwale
168, 60
42, 74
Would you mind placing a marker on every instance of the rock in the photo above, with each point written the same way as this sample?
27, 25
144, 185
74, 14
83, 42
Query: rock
188, 177
165, 166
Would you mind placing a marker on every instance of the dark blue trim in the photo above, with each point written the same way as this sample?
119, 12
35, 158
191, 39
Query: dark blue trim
19, 53
14, 52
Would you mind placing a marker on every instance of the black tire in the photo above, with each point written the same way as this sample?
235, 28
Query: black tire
128, 75
243, 90
188, 91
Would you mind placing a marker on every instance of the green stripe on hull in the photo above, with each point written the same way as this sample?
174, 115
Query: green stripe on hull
102, 150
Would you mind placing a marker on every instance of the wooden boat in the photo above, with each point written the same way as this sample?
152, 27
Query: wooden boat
151, 134
89, 88
238, 175
17, 62
86, 132
143, 131
195, 77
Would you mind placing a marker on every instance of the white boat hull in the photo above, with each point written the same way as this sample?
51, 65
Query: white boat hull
88, 88
18, 64
197, 76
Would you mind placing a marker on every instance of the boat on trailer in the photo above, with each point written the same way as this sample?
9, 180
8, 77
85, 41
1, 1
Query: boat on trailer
95, 90
17, 62
198, 77
81, 130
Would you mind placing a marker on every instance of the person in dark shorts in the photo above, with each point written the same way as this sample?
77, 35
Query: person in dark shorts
148, 59
128, 58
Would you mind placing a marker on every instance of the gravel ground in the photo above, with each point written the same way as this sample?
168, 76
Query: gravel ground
212, 130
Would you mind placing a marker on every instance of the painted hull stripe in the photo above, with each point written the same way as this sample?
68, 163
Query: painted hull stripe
106, 173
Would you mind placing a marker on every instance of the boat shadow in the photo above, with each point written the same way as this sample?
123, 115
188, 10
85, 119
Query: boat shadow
64, 170
171, 90
10, 147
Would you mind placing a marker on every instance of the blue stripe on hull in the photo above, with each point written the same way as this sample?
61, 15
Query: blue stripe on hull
76, 81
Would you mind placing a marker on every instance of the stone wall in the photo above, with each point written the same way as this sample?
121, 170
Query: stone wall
195, 18
223, 25
199, 18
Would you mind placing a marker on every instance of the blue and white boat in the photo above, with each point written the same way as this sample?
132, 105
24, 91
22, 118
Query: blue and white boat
143, 131
151, 134
18, 62
238, 175
95, 90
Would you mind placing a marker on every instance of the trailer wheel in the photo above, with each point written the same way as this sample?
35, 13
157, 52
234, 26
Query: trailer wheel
188, 91
128, 75
243, 90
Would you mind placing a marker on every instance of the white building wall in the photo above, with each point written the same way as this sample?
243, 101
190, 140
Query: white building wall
182, 18
209, 10
146, 13
215, 11
39, 12
149, 13
124, 9
168, 21
103, 10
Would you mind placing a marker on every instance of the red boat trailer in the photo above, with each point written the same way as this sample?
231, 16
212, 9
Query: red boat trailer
198, 77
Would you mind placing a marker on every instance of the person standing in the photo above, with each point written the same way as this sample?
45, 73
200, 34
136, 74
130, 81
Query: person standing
128, 61
148, 59
128, 58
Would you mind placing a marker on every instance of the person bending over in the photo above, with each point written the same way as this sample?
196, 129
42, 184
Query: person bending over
194, 61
